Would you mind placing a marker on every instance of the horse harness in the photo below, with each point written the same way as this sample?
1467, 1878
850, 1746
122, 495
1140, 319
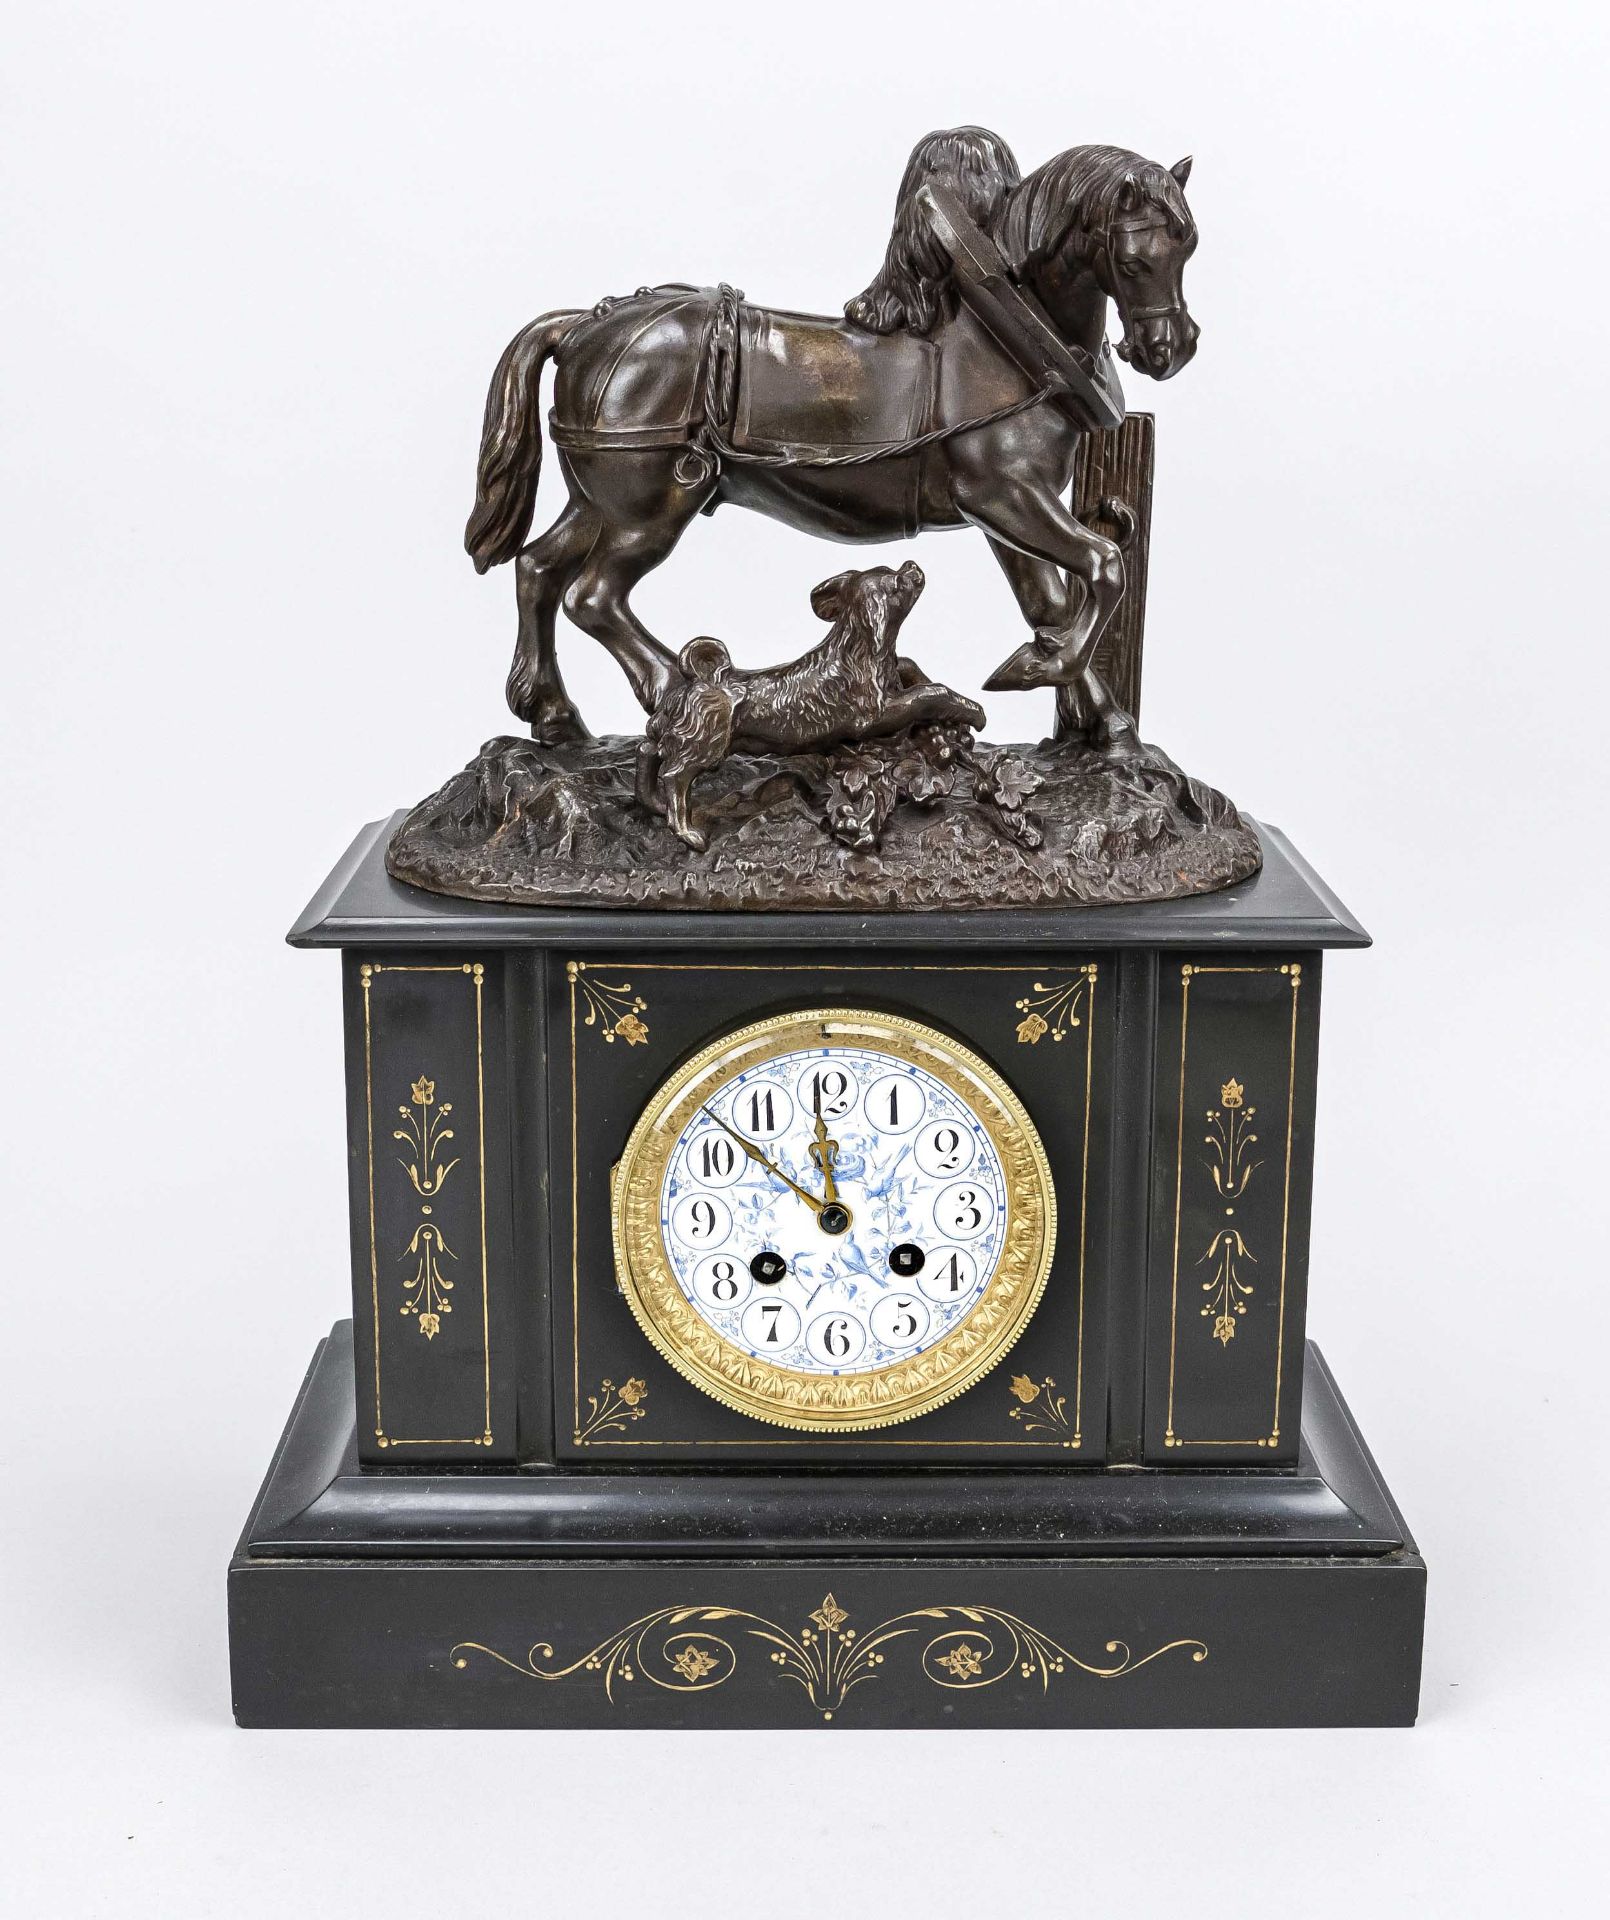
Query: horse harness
1086, 389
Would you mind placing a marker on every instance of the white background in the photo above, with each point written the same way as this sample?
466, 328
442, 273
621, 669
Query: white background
258, 263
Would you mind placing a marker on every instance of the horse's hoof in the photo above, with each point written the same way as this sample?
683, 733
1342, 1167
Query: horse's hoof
560, 727
1123, 745
1070, 740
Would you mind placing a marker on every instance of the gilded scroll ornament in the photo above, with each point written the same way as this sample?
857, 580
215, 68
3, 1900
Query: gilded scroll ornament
426, 1293
971, 1647
425, 1133
1053, 1008
613, 1009
425, 1136
1228, 1138
1230, 1292
1041, 1408
609, 1409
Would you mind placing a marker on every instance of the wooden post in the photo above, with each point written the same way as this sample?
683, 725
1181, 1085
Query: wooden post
1117, 466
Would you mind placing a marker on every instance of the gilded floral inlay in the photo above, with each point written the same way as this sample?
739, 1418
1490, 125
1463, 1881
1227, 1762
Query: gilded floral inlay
610, 1408
426, 1293
674, 1649
613, 1009
424, 1129
693, 1663
1042, 1409
1053, 1008
829, 1616
1228, 1139
1228, 1254
425, 1135
1230, 1292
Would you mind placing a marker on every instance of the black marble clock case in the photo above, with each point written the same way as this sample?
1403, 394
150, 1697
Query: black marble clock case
495, 1504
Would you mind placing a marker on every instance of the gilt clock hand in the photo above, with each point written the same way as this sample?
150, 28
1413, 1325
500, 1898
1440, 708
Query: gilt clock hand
825, 1151
760, 1159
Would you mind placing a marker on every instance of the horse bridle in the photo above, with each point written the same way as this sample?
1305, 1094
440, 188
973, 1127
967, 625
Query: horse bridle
1172, 310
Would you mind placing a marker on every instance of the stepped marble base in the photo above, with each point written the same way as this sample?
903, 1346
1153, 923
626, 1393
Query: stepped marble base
569, 1598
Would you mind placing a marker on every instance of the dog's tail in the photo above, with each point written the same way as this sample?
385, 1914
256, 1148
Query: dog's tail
511, 444
705, 659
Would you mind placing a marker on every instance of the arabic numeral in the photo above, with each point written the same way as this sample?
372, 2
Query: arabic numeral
963, 1211
721, 1281
829, 1091
836, 1339
948, 1276
900, 1321
718, 1157
770, 1326
700, 1220
944, 1148
761, 1110
896, 1102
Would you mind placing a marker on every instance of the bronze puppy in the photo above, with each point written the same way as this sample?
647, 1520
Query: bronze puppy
850, 687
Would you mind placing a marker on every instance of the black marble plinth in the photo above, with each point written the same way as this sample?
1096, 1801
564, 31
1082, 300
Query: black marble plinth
713, 1598
1285, 904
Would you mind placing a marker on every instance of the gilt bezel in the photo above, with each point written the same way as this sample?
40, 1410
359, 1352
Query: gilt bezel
879, 1397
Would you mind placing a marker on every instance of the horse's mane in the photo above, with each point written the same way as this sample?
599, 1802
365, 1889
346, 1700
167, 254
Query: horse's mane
1083, 191
912, 289
1080, 191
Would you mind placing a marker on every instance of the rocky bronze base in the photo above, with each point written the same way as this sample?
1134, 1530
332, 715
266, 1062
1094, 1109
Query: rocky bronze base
929, 818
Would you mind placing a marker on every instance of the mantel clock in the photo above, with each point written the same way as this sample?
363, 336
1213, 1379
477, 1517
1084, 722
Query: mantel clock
830, 1196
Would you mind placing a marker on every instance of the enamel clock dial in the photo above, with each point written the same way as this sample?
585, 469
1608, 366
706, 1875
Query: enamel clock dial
834, 1219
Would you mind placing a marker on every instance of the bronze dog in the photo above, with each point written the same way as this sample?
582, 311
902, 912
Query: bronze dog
852, 686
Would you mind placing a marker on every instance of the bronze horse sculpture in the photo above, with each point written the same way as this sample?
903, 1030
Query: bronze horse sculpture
906, 415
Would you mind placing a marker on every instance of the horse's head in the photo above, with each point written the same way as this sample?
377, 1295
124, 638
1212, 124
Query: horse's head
1102, 223
1141, 265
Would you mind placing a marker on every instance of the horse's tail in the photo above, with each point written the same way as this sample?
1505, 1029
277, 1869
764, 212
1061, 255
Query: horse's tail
511, 444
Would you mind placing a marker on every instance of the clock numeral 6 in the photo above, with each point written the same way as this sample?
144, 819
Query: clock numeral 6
836, 1339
